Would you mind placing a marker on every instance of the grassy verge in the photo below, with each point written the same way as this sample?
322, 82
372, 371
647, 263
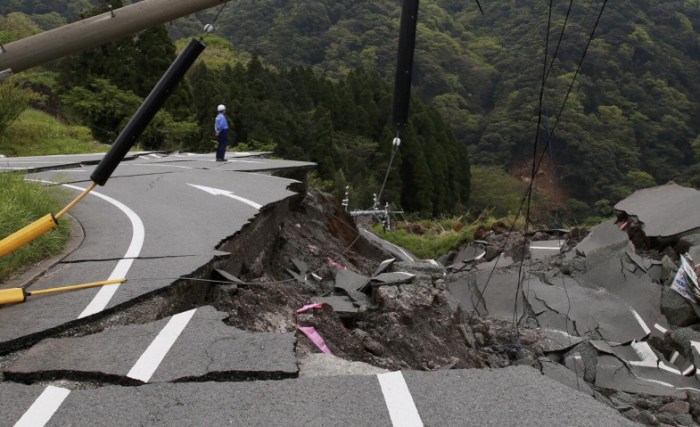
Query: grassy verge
21, 203
431, 239
36, 133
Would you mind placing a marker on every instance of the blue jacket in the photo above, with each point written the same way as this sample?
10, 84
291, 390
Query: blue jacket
220, 123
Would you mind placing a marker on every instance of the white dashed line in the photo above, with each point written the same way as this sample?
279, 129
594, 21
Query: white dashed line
399, 401
155, 353
43, 407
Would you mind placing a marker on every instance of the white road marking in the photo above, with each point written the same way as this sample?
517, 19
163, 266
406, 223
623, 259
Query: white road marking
641, 322
43, 407
105, 294
660, 328
51, 399
227, 193
670, 369
399, 401
155, 353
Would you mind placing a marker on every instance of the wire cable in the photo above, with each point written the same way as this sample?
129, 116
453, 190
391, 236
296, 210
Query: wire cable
539, 162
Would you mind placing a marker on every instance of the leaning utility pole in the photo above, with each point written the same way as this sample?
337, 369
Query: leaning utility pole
92, 32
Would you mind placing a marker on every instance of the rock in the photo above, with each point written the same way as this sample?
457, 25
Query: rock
373, 346
623, 401
589, 356
682, 338
647, 418
479, 337
694, 402
676, 407
684, 420
677, 309
669, 269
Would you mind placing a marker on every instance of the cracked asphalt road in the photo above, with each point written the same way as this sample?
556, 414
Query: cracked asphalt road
158, 221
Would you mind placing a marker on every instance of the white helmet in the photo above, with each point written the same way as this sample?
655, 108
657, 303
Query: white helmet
221, 107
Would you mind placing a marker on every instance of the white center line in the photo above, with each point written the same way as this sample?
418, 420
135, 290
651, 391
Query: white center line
399, 401
51, 399
105, 294
155, 353
43, 407
641, 322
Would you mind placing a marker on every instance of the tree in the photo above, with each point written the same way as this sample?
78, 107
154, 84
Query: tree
14, 99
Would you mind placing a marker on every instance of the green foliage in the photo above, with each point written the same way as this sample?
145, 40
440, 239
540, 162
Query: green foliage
343, 126
22, 203
633, 107
16, 26
428, 240
495, 191
36, 133
14, 99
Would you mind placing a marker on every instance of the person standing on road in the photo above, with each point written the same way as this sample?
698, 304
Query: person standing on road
221, 129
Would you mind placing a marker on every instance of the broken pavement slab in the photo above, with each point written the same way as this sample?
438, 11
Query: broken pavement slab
467, 255
206, 348
395, 278
492, 295
665, 211
352, 284
328, 365
603, 236
383, 266
557, 340
592, 311
543, 249
342, 305
636, 289
612, 373
564, 376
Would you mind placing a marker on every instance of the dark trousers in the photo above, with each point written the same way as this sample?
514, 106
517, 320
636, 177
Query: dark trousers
223, 141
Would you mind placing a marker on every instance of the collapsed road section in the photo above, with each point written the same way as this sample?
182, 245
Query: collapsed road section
626, 331
296, 293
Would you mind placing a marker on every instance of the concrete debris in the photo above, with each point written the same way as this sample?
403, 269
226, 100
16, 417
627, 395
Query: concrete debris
555, 340
543, 249
327, 365
343, 305
383, 266
604, 236
564, 376
466, 256
606, 309
393, 278
665, 211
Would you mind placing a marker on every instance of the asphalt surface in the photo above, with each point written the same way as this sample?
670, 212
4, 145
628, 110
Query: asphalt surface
159, 219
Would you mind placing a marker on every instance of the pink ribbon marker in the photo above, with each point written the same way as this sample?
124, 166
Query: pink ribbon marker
309, 307
334, 264
315, 338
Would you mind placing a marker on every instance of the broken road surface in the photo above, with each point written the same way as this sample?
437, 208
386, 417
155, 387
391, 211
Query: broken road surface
206, 330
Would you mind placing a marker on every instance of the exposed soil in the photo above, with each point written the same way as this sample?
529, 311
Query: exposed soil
406, 326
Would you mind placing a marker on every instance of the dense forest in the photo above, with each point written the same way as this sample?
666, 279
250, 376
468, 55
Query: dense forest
314, 78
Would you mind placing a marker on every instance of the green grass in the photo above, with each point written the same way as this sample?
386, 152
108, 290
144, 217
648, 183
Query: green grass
36, 133
431, 239
22, 203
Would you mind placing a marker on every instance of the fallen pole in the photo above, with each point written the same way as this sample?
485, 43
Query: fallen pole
126, 140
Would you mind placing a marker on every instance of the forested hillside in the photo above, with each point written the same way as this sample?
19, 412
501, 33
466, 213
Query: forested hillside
343, 125
628, 122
